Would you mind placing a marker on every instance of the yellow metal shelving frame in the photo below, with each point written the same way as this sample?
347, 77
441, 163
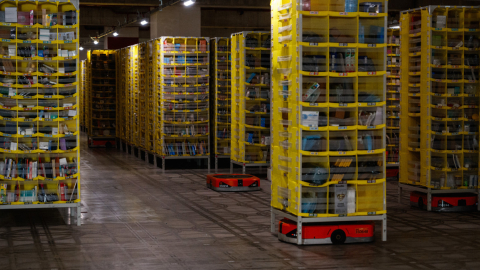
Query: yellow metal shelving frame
439, 108
101, 119
250, 111
40, 111
310, 73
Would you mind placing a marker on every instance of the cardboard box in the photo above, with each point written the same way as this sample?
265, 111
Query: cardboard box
340, 114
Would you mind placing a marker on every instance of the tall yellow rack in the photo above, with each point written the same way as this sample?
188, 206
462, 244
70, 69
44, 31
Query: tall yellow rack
40, 158
150, 101
221, 81
129, 108
393, 96
142, 97
102, 85
185, 119
157, 100
250, 99
439, 124
328, 145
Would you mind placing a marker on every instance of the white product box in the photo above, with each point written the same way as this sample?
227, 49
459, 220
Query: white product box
310, 119
11, 14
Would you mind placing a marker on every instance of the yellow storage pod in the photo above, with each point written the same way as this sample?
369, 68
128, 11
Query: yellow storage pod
440, 79
328, 111
39, 106
102, 98
185, 119
250, 111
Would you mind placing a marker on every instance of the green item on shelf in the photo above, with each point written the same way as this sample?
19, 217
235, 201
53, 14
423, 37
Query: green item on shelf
436, 40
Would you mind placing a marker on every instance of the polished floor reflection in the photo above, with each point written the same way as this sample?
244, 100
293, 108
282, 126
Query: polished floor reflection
135, 217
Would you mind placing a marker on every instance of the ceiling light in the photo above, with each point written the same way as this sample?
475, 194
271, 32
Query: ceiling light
143, 22
95, 42
189, 2
115, 34
81, 48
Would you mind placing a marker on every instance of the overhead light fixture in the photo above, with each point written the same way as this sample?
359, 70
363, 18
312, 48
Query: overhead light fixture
95, 41
115, 34
189, 2
395, 27
143, 22
81, 48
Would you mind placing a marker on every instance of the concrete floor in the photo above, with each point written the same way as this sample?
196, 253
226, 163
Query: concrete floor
135, 217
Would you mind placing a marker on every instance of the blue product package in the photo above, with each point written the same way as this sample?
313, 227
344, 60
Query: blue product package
251, 77
177, 47
380, 34
361, 33
369, 142
40, 53
310, 143
351, 5
181, 59
262, 122
250, 138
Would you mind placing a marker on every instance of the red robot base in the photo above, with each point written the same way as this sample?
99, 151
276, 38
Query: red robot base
455, 202
233, 182
327, 233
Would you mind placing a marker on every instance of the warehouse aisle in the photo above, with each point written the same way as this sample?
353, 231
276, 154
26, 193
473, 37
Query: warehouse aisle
135, 217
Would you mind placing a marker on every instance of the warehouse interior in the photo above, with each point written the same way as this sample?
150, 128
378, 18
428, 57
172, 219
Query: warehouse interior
145, 205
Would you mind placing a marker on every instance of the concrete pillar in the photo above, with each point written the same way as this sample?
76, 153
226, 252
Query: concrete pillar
177, 20
122, 32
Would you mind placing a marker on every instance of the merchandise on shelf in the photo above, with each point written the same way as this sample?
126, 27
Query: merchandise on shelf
329, 121
250, 98
440, 79
102, 99
39, 112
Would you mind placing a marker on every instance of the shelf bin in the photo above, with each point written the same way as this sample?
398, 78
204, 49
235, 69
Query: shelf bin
342, 90
370, 89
